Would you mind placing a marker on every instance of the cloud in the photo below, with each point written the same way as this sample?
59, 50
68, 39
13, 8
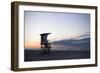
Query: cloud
80, 43
86, 35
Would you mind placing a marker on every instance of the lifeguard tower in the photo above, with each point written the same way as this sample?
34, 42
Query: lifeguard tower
45, 44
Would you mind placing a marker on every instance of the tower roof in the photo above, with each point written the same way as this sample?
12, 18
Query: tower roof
45, 34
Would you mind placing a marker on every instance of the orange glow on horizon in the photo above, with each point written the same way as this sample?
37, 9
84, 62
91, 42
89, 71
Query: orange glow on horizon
32, 45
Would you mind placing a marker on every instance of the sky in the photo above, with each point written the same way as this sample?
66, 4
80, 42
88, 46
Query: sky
62, 26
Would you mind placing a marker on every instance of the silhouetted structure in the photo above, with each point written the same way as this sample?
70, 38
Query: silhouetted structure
45, 45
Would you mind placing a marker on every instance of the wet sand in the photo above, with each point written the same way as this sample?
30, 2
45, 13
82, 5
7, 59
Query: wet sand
35, 55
